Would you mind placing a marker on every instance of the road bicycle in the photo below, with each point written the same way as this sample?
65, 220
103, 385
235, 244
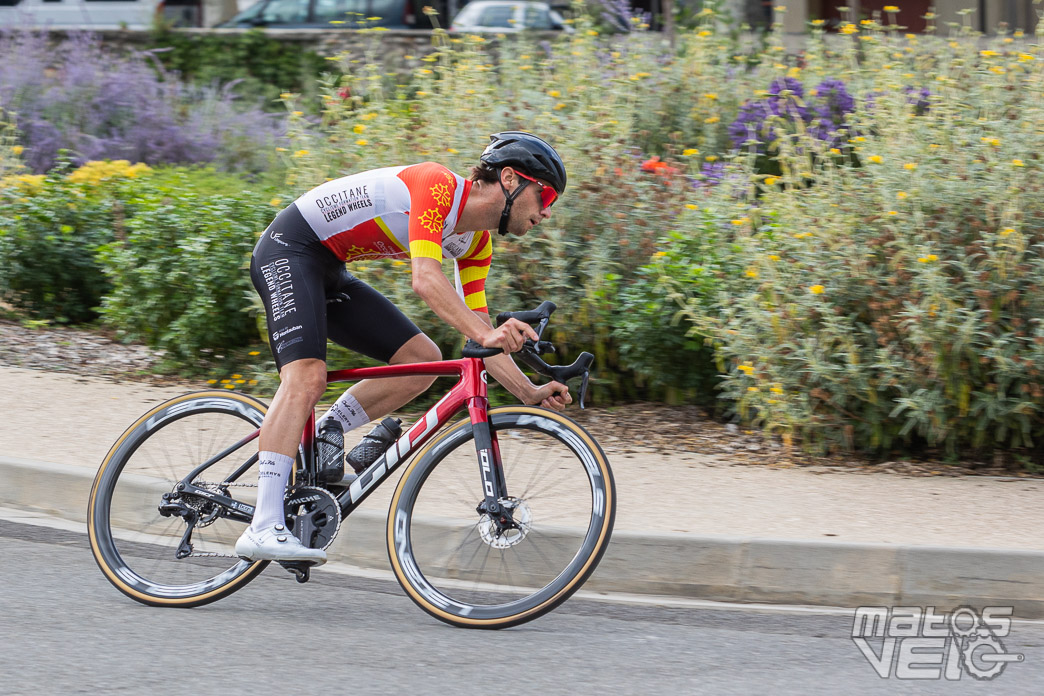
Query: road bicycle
497, 520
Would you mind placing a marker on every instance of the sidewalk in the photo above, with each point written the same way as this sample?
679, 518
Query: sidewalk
688, 523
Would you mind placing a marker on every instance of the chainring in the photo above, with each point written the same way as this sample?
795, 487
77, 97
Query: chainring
313, 515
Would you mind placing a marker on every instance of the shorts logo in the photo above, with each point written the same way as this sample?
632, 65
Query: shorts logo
287, 344
280, 288
283, 332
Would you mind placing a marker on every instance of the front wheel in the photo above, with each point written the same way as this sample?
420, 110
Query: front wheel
462, 567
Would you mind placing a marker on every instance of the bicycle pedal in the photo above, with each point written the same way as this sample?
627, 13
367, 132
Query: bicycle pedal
300, 569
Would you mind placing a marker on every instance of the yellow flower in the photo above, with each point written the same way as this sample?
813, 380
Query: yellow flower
525, 67
741, 221
893, 212
712, 119
18, 149
834, 151
359, 128
1007, 231
771, 180
301, 153
298, 113
692, 206
690, 152
362, 142
988, 53
928, 259
747, 369
659, 254
776, 390
369, 117
773, 257
274, 202
818, 22
230, 386
752, 273
254, 353
891, 8
286, 95
452, 150
910, 166
554, 93
901, 195
752, 389
224, 381
559, 106
1017, 163
802, 235
849, 28
705, 33
876, 159
211, 381
816, 289
711, 158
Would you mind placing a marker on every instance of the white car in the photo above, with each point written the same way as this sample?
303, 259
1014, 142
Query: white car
66, 14
505, 16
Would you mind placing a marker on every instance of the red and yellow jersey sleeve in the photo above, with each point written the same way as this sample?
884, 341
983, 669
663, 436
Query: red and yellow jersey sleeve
431, 188
473, 267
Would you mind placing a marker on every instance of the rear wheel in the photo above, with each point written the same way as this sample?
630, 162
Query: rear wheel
138, 518
469, 570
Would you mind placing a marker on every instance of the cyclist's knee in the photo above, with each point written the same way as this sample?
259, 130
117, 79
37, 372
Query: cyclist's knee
420, 348
304, 381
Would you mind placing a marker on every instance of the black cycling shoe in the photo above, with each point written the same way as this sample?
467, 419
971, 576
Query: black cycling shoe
374, 444
329, 450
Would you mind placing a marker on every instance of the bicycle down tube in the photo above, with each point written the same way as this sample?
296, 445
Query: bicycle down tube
470, 391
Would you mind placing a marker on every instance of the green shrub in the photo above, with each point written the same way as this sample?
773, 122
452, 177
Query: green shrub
179, 274
49, 232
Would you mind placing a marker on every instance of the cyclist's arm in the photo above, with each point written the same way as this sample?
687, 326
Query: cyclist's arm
433, 287
554, 395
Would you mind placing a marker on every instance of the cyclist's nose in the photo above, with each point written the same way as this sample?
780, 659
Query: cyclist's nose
545, 213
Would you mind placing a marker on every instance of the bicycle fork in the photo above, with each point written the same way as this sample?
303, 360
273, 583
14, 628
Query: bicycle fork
491, 468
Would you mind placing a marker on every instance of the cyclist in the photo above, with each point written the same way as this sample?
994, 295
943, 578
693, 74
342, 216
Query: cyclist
422, 212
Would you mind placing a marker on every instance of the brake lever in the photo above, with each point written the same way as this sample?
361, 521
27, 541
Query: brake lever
583, 388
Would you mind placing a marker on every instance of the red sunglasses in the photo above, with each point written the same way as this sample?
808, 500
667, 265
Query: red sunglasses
547, 194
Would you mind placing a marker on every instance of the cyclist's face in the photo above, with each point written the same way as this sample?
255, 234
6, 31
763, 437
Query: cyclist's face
528, 209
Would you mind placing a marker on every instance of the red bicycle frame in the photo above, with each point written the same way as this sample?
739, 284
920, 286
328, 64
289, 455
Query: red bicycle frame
470, 391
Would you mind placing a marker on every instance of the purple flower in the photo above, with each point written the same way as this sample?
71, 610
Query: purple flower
919, 99
750, 125
98, 106
833, 106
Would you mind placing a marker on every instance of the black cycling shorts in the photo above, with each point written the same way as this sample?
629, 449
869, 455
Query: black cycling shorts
309, 295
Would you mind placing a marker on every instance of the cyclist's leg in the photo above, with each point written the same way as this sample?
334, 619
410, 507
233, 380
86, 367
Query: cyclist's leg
352, 324
287, 268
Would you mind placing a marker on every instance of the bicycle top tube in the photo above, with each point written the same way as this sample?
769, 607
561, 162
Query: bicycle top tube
440, 368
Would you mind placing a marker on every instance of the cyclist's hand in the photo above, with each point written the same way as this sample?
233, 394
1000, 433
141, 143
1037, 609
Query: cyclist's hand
509, 336
553, 395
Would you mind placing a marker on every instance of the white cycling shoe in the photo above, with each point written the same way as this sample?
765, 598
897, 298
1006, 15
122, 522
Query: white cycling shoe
276, 543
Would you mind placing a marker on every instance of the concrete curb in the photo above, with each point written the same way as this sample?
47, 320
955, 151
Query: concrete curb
732, 569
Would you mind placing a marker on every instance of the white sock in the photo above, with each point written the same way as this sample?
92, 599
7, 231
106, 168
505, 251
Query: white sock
348, 411
273, 473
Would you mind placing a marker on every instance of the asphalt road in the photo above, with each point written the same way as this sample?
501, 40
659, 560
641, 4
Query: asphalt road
67, 631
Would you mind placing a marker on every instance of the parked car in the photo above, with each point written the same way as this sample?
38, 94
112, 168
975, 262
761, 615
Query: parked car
349, 14
505, 16
66, 14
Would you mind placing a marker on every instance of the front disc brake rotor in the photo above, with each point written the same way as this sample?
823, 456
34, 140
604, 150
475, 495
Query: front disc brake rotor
499, 537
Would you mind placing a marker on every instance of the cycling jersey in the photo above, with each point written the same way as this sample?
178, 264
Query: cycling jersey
401, 212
